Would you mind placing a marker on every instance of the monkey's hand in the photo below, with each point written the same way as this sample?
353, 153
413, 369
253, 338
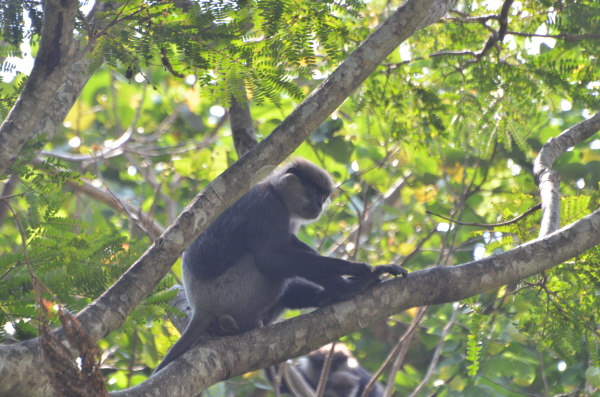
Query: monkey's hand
393, 270
357, 269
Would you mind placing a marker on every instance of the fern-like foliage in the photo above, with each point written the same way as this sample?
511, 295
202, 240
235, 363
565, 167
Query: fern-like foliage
73, 260
558, 309
7, 100
564, 308
12, 20
228, 45
474, 339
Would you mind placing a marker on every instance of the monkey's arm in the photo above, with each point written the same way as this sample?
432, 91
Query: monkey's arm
394, 270
301, 294
282, 257
289, 257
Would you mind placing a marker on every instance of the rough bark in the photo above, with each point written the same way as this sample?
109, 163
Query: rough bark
222, 358
242, 128
61, 103
55, 56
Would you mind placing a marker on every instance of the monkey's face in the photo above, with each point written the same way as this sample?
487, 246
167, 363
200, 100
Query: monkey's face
339, 361
313, 202
303, 198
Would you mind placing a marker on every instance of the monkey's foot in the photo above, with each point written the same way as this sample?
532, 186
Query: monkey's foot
228, 325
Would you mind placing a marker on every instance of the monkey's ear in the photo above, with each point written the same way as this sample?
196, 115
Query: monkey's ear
290, 186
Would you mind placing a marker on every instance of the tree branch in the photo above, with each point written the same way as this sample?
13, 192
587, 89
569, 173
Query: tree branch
242, 128
221, 358
55, 56
548, 179
561, 36
110, 310
388, 199
146, 223
490, 225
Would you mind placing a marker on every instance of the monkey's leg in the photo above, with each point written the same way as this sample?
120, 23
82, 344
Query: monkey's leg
195, 329
340, 288
298, 294
301, 294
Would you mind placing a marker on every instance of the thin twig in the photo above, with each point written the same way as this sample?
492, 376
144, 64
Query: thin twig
393, 353
325, 372
543, 373
561, 36
7, 193
275, 381
389, 389
508, 388
3, 198
436, 355
418, 247
491, 225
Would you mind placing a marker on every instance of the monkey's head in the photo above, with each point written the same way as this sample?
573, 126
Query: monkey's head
304, 188
342, 358
342, 361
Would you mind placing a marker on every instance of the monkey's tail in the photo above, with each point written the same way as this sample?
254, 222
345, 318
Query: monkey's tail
193, 332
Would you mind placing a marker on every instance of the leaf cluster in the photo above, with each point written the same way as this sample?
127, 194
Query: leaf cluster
74, 261
12, 15
226, 46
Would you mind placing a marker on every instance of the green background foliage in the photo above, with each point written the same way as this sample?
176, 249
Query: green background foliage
438, 127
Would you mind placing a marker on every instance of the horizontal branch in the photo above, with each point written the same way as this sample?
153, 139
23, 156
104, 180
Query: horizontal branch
561, 36
221, 358
111, 309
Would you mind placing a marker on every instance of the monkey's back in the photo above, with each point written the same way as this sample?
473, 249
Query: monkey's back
222, 260
233, 234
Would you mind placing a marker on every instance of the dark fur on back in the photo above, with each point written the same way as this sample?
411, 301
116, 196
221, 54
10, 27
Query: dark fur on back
233, 233
242, 225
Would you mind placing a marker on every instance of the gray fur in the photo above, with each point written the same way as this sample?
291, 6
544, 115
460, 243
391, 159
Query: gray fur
248, 300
